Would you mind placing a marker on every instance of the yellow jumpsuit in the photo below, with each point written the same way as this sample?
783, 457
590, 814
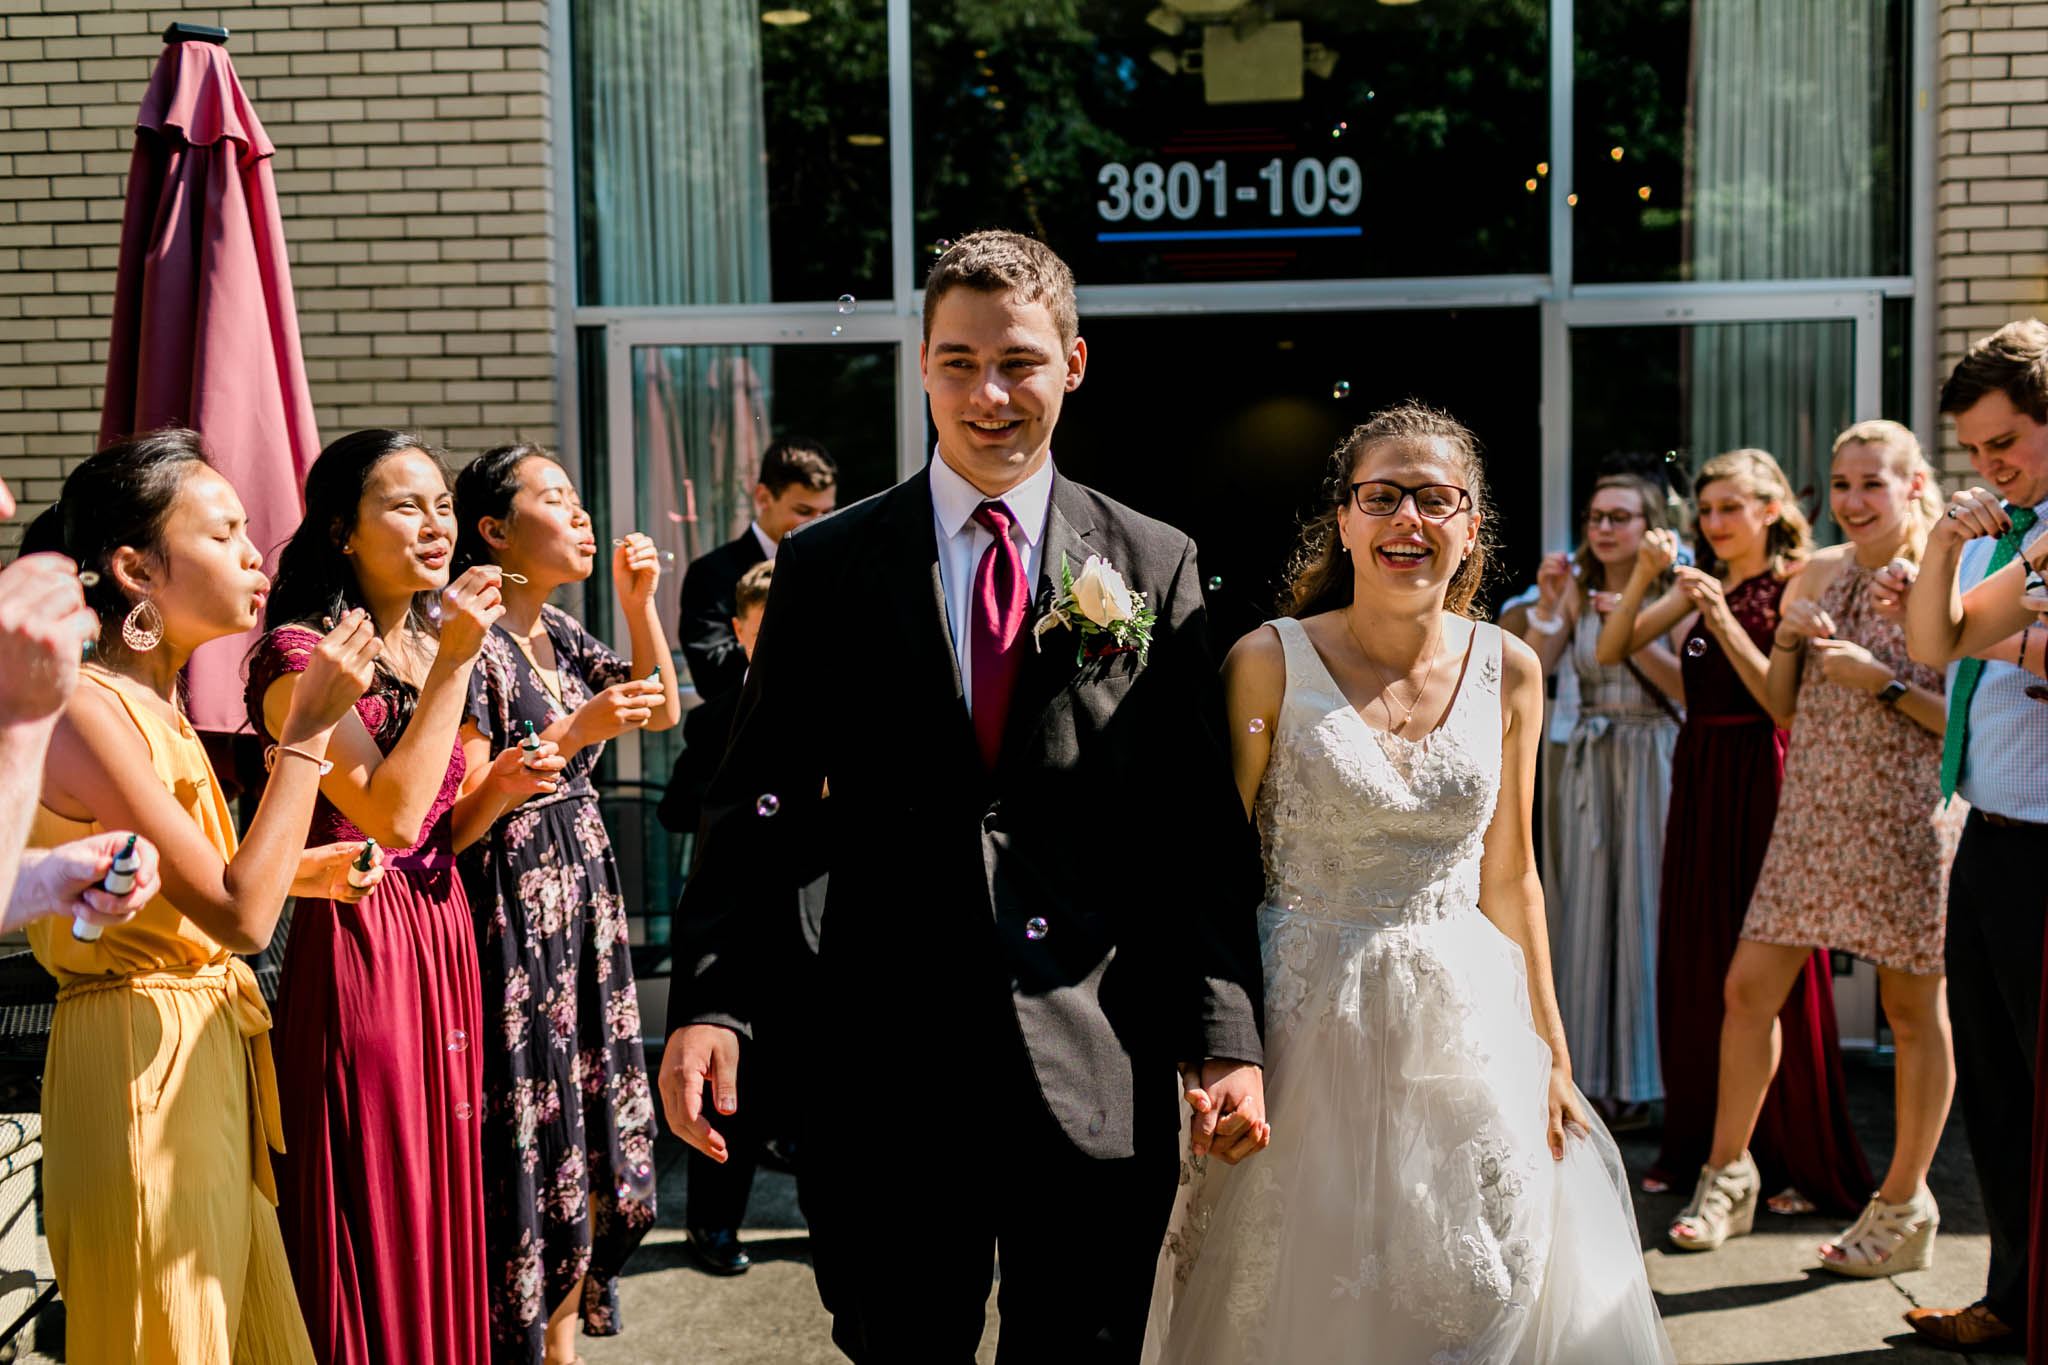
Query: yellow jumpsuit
159, 1113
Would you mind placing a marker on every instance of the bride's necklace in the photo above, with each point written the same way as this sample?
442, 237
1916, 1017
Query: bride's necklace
1387, 698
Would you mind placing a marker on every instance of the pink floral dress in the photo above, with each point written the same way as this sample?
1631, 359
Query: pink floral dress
568, 1126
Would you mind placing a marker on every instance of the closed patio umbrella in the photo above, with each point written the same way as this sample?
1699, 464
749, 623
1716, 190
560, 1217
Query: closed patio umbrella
205, 333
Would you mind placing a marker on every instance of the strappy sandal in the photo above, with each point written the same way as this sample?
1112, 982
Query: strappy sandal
1723, 1206
1886, 1239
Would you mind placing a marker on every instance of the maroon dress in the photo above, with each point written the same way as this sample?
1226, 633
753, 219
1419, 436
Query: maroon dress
1725, 774
380, 1190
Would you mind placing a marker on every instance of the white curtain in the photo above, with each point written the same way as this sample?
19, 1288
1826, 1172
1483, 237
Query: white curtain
1787, 111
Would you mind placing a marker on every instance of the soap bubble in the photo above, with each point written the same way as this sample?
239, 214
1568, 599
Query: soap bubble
636, 1181
768, 804
1036, 928
462, 1109
1695, 647
1258, 725
87, 578
1339, 128
837, 330
1216, 583
847, 303
1341, 389
458, 1041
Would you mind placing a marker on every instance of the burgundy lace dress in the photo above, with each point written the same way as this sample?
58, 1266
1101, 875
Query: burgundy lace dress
380, 1190
1725, 775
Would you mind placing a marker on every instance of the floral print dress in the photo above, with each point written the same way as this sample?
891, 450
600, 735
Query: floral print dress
569, 1120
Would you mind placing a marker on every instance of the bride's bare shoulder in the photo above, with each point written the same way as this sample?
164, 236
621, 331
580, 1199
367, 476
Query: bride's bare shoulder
1257, 663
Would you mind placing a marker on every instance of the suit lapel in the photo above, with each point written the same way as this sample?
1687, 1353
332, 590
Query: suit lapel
1049, 661
917, 595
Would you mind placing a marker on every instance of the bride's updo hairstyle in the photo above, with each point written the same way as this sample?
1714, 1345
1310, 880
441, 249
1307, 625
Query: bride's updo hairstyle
1320, 578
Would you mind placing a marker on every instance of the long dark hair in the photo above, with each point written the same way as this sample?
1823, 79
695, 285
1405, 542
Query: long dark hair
120, 497
1321, 578
315, 581
485, 488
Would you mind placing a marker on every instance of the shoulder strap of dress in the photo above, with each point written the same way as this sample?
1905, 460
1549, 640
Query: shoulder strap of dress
146, 724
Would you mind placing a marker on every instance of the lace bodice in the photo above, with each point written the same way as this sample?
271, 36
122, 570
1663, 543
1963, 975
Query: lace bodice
1361, 826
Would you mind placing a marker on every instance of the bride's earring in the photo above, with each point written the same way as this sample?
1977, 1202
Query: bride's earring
142, 629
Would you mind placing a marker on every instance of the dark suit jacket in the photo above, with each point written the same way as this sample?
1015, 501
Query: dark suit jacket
704, 629
1111, 817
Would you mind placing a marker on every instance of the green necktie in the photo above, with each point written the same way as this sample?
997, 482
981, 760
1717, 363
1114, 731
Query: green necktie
1968, 671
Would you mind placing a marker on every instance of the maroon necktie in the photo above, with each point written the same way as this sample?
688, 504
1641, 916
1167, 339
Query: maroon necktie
996, 629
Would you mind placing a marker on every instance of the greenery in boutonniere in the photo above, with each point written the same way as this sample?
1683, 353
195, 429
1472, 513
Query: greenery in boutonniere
1100, 609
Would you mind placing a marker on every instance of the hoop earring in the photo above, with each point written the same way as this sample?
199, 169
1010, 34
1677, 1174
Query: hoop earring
142, 629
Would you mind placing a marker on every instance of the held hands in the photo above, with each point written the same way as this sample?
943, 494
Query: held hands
1704, 591
323, 872
1850, 665
336, 676
1889, 586
619, 708
636, 569
698, 1055
1804, 620
1553, 581
470, 606
1565, 1111
65, 880
1658, 552
44, 628
1971, 513
517, 774
1229, 1100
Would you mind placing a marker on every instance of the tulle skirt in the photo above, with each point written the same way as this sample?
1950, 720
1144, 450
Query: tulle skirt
1408, 1208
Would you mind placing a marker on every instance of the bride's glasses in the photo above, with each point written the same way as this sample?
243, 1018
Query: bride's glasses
1433, 501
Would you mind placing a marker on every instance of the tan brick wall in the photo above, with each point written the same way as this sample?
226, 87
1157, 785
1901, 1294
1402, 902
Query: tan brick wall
412, 172
1993, 175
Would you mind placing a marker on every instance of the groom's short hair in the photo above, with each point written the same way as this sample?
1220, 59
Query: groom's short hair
994, 261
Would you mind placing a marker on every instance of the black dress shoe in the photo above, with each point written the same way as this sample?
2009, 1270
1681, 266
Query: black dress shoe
718, 1251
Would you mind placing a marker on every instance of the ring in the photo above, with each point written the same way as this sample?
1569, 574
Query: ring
1952, 512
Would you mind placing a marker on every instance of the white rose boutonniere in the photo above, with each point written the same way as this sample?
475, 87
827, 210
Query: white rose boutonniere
1099, 607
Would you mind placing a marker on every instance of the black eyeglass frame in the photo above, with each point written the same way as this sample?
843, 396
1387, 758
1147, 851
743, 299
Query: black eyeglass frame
1615, 520
1414, 494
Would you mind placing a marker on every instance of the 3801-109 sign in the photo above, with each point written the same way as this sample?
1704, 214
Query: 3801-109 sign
1184, 190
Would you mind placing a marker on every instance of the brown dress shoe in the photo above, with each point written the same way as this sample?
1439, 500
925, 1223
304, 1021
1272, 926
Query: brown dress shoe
1975, 1328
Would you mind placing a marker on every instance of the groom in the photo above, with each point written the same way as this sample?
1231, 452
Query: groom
1043, 885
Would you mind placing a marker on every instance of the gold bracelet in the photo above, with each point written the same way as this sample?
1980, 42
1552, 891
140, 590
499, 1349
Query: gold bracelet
270, 758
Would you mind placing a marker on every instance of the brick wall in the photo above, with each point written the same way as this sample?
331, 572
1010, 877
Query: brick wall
1993, 173
412, 171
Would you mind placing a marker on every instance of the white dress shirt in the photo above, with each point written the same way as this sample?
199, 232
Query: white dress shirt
962, 540
761, 539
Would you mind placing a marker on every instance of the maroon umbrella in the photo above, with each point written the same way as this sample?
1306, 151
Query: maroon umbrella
205, 332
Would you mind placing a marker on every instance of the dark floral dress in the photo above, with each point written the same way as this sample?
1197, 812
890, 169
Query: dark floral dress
569, 1131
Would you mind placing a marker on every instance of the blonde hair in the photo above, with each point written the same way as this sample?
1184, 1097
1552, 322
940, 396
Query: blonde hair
1788, 540
1903, 456
1320, 576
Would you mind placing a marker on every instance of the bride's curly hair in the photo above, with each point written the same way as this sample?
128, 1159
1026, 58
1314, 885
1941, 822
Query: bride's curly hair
1320, 576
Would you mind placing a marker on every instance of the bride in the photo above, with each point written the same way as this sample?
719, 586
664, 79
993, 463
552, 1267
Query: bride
1436, 1191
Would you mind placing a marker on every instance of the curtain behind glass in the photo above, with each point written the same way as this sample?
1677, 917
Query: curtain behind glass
1786, 109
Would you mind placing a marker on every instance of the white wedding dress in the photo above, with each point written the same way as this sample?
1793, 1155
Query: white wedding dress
1408, 1211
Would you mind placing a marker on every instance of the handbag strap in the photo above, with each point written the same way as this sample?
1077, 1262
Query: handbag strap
1656, 692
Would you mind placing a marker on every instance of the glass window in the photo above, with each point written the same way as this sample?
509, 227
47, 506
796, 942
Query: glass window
730, 154
1740, 139
1242, 471
1640, 393
1199, 140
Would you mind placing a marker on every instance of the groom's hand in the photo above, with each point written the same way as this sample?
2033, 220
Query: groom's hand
698, 1055
1229, 1100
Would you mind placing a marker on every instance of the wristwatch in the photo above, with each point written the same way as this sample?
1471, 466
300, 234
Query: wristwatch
1890, 693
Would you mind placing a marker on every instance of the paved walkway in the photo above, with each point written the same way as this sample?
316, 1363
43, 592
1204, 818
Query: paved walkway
1750, 1303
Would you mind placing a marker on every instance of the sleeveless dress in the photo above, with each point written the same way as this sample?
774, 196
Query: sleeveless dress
1408, 1208
1725, 775
378, 1007
568, 1117
160, 1114
1613, 789
1856, 865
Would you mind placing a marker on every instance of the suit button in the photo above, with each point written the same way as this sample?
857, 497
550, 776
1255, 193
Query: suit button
1036, 928
1095, 1124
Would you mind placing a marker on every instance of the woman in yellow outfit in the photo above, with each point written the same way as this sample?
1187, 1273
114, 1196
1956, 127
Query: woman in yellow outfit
159, 1102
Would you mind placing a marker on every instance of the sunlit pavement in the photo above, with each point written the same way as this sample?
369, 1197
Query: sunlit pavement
1754, 1301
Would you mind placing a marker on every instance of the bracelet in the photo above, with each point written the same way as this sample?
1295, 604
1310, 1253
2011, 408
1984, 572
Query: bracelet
1777, 644
1545, 622
270, 758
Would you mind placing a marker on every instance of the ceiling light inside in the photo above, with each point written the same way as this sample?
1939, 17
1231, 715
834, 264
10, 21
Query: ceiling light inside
864, 139
785, 18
